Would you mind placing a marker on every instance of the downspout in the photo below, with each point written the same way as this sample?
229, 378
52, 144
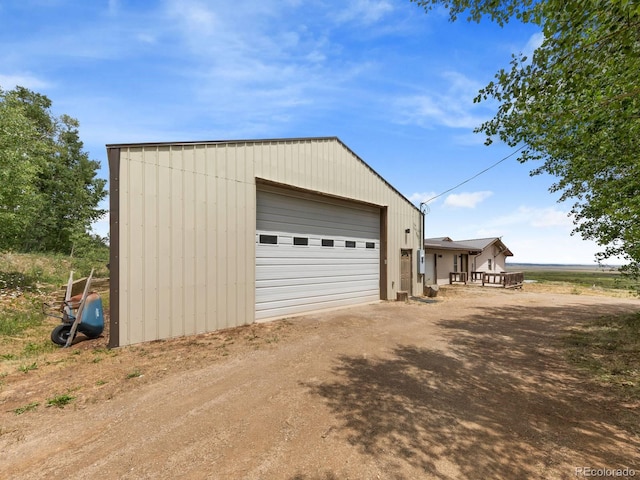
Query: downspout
424, 210
424, 253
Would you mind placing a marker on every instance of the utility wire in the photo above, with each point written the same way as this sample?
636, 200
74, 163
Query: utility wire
476, 175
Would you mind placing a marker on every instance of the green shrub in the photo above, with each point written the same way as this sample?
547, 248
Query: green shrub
60, 400
26, 408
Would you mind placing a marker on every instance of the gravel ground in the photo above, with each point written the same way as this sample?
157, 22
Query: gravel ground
472, 384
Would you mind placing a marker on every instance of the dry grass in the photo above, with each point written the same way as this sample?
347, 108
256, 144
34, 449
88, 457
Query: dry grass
573, 289
609, 350
27, 282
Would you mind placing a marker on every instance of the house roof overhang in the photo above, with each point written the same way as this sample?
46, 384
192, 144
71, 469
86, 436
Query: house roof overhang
447, 244
475, 246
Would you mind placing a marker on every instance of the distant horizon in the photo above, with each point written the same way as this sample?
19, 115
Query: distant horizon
555, 264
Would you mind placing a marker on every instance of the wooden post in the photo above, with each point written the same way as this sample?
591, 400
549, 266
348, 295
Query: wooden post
78, 319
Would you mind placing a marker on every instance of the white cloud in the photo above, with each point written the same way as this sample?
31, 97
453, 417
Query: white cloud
197, 18
540, 235
550, 247
550, 244
418, 198
466, 200
9, 82
534, 42
450, 103
96, 37
534, 235
547, 217
256, 66
364, 11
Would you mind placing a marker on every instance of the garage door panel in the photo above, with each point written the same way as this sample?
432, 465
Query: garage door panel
284, 262
297, 278
290, 206
281, 213
298, 272
291, 307
318, 217
325, 227
315, 279
320, 290
310, 276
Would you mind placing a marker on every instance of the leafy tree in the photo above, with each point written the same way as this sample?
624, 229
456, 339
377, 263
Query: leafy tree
21, 148
575, 107
49, 192
67, 181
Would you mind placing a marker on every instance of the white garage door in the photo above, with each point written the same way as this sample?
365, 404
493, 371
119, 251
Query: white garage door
312, 255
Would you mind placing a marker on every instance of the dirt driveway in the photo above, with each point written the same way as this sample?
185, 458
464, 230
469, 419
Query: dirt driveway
473, 385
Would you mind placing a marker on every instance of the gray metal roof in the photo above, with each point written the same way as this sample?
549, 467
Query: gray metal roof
472, 246
445, 243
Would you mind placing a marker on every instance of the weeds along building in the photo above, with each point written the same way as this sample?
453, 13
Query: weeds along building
218, 234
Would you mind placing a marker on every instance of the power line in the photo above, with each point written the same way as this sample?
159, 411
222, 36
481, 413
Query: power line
475, 176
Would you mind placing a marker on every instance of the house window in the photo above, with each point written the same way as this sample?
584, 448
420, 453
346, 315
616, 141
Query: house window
371, 245
350, 244
300, 241
326, 242
490, 265
269, 239
455, 264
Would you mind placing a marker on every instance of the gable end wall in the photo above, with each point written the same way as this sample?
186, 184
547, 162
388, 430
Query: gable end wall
187, 219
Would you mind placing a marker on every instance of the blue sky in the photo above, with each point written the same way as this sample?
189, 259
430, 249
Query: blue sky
393, 83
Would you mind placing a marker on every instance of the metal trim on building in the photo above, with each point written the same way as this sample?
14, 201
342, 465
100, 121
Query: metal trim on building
113, 156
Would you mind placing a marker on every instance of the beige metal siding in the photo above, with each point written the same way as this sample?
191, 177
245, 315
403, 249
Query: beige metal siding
187, 216
186, 242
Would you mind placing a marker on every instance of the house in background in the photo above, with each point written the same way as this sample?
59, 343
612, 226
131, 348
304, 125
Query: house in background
444, 257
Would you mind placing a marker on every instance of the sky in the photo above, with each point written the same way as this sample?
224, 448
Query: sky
394, 83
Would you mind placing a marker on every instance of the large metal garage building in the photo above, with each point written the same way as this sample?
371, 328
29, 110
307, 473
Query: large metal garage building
211, 235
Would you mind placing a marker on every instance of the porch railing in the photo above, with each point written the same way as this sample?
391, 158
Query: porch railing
505, 279
476, 276
458, 277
